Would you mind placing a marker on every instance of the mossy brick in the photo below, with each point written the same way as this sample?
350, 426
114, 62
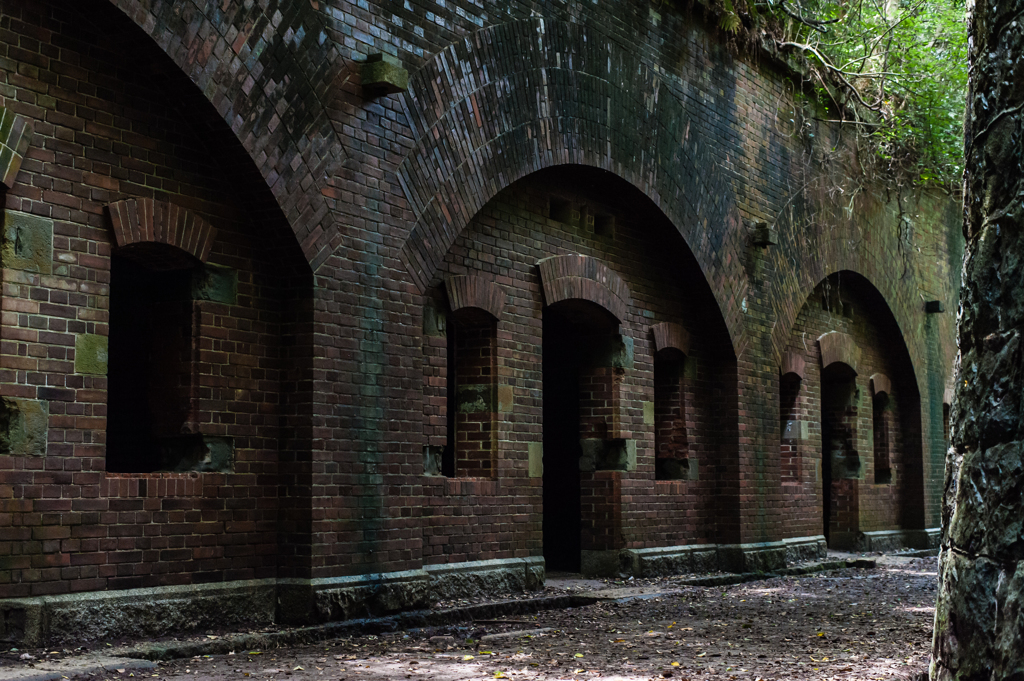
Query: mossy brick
345, 390
535, 459
383, 74
215, 283
91, 354
23, 426
506, 399
28, 242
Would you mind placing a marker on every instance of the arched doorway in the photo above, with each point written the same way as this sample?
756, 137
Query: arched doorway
840, 459
580, 346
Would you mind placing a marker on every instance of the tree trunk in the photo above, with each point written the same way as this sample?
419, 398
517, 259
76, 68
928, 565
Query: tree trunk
979, 617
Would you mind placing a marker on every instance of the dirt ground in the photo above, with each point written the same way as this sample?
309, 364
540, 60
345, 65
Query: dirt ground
847, 624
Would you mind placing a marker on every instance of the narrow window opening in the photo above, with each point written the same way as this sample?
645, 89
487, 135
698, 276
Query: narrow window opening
472, 396
881, 418
671, 446
604, 226
793, 428
945, 421
564, 211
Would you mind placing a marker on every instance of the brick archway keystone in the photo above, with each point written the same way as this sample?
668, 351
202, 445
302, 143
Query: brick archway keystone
469, 291
581, 277
838, 347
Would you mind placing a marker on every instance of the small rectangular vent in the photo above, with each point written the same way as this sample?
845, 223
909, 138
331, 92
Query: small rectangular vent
562, 210
604, 226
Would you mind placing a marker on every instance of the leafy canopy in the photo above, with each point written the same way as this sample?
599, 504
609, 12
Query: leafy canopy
895, 69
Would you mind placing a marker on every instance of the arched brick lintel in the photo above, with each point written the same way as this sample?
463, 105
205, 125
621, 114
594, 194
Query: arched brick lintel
580, 277
838, 347
484, 118
880, 383
671, 335
793, 363
139, 221
469, 291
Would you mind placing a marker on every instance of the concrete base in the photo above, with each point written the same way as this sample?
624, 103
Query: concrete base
485, 577
697, 558
669, 560
375, 595
151, 612
760, 557
157, 611
805, 549
600, 563
885, 540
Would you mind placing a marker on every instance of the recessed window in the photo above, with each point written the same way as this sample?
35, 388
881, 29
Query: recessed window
882, 418
792, 428
564, 211
671, 443
471, 396
152, 375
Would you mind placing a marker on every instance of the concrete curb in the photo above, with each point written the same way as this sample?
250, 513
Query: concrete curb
145, 655
32, 674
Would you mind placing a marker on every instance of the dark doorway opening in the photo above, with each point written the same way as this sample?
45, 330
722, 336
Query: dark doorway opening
149, 370
840, 464
571, 331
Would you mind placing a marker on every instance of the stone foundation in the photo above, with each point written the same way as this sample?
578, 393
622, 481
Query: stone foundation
886, 540
149, 612
761, 557
161, 610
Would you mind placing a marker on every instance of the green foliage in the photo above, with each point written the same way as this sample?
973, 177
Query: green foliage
894, 69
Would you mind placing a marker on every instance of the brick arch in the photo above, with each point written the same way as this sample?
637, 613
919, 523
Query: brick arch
559, 93
880, 383
838, 348
581, 277
901, 301
468, 291
249, 63
671, 335
793, 363
146, 221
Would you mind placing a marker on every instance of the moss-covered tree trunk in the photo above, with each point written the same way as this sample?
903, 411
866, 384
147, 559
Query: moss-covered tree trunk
979, 619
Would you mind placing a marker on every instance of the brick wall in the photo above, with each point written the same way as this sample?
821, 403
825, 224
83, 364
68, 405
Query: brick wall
101, 135
861, 500
341, 215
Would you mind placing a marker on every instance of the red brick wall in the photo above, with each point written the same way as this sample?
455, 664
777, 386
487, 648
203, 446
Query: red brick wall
252, 117
859, 505
104, 133
649, 513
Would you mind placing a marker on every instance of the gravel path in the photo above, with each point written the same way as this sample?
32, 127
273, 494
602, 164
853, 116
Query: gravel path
847, 624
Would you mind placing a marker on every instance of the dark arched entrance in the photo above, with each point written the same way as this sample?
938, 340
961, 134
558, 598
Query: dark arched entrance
580, 340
